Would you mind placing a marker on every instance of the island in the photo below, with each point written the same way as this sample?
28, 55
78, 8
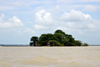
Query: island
59, 38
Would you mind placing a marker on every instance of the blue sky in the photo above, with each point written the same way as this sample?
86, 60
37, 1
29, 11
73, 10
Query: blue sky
22, 19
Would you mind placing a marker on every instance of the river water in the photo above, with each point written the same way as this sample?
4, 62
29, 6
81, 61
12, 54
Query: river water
50, 56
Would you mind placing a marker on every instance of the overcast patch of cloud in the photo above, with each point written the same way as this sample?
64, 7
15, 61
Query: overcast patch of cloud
90, 8
39, 27
28, 30
80, 1
60, 5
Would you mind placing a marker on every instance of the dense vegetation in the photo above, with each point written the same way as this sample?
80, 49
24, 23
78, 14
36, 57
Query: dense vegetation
59, 38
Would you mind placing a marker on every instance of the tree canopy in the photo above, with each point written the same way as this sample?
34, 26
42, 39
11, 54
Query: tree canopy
34, 39
59, 38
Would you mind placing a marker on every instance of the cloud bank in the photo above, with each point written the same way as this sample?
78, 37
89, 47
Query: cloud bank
72, 22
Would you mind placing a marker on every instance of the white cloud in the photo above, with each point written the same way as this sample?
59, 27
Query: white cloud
44, 18
72, 22
75, 16
87, 17
3, 7
57, 7
85, 5
11, 23
43, 4
16, 3
89, 1
78, 22
2, 16
79, 1
39, 27
15, 26
90, 8
28, 30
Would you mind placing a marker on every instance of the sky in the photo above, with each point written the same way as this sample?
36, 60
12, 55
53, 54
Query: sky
22, 19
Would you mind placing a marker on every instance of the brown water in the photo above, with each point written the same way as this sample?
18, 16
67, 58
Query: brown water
50, 56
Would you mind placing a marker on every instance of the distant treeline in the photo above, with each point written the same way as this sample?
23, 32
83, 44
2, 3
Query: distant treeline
94, 45
59, 38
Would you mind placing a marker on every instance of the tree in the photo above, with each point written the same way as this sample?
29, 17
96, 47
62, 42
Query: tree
44, 38
52, 42
71, 40
85, 44
78, 43
31, 43
59, 38
34, 39
60, 31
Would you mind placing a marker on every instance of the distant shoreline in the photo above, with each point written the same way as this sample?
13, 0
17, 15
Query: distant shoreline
14, 45
27, 45
41, 46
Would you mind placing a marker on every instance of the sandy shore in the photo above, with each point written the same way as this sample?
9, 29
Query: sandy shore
50, 56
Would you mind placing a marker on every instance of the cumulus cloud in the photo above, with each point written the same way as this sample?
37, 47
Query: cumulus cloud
11, 23
14, 25
72, 22
44, 18
78, 22
75, 16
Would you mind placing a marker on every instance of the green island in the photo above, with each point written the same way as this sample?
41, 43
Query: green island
59, 38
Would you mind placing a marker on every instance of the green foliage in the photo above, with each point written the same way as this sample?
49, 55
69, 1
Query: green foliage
34, 39
60, 31
59, 38
44, 38
78, 43
71, 40
52, 42
39, 44
59, 44
55, 43
69, 44
85, 44
31, 43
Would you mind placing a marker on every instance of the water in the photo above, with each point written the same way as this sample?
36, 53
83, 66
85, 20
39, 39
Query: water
50, 56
